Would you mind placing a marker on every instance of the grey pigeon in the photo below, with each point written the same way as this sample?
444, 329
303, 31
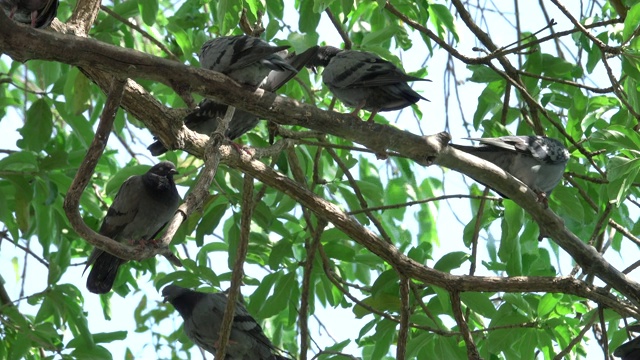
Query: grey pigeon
37, 13
537, 161
629, 350
267, 68
202, 314
141, 208
363, 80
246, 59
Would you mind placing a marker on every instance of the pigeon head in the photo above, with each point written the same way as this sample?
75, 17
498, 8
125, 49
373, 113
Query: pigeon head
554, 150
323, 57
172, 292
184, 300
165, 169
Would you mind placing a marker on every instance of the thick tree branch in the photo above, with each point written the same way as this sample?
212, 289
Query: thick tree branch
98, 59
583, 253
200, 193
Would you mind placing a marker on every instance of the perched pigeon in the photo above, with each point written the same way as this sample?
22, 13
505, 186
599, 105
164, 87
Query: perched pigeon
38, 13
143, 205
266, 67
629, 350
363, 80
246, 59
537, 161
202, 314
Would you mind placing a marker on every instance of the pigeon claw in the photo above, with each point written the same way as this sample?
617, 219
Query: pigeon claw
34, 17
543, 199
156, 243
239, 148
373, 114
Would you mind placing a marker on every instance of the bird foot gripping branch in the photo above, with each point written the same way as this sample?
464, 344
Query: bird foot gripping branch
435, 143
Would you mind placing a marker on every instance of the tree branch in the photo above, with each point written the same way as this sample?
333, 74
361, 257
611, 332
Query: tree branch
456, 307
405, 313
238, 267
587, 256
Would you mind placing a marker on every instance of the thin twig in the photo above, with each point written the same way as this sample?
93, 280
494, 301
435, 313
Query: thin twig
238, 267
405, 313
472, 350
3, 234
303, 322
358, 193
141, 31
424, 201
343, 34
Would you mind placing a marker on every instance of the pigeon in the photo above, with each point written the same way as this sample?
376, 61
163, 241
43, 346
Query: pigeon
202, 314
246, 59
363, 80
629, 350
37, 13
537, 161
141, 208
262, 65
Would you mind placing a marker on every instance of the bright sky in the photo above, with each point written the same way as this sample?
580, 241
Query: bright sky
340, 322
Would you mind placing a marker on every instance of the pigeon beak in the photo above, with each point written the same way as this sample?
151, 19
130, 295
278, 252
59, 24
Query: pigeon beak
173, 172
165, 299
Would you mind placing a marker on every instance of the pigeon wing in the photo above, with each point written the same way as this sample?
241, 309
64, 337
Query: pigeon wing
124, 208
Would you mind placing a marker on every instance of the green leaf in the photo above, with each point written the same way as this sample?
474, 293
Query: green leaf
479, 302
547, 303
336, 250
92, 353
37, 130
556, 67
81, 94
442, 18
309, 19
631, 22
622, 173
450, 261
510, 250
281, 296
19, 161
260, 295
210, 219
381, 302
20, 347
630, 67
228, 12
387, 282
23, 198
280, 250
149, 11
182, 37
377, 38
110, 336
385, 330
483, 74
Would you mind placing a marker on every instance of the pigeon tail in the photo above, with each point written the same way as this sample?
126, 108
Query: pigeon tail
103, 273
157, 148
